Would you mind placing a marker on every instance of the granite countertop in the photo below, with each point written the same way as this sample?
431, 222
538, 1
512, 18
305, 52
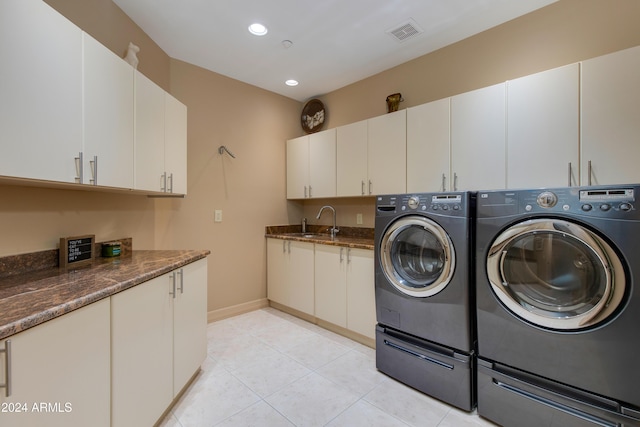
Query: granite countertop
32, 298
351, 237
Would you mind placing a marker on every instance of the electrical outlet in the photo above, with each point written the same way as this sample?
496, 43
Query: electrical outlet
217, 216
359, 219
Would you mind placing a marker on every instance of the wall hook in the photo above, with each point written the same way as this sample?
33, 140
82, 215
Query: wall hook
222, 149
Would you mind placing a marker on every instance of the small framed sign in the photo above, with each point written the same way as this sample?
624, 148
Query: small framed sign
77, 251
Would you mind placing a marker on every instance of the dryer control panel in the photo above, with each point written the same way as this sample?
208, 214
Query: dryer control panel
451, 204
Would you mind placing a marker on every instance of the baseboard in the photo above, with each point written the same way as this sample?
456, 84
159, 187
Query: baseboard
235, 310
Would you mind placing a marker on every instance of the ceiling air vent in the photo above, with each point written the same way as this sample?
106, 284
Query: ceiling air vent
405, 31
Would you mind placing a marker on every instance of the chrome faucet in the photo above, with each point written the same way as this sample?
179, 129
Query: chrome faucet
333, 229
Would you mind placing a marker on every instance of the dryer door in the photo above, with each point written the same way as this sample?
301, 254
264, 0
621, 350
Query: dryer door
556, 274
417, 256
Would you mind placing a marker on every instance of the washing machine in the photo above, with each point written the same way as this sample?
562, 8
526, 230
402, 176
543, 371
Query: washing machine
425, 335
558, 306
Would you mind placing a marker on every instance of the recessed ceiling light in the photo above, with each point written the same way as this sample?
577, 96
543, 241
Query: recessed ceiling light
258, 29
291, 82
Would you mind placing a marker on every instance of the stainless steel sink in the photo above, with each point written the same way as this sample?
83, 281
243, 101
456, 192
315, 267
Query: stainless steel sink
309, 235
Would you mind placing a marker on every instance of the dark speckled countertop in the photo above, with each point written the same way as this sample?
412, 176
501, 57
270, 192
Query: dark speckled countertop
29, 299
351, 237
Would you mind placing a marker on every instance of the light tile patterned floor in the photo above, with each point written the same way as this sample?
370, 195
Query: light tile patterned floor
268, 368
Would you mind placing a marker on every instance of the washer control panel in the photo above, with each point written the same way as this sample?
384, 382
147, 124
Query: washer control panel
610, 202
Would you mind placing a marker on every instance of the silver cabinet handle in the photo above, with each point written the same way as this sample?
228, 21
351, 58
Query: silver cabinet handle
284, 246
444, 188
589, 172
94, 170
455, 181
349, 256
181, 274
569, 177
341, 258
163, 182
362, 187
7, 368
310, 192
79, 167
370, 185
289, 247
305, 191
172, 277
170, 188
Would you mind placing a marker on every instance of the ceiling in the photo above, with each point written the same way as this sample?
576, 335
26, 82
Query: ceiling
334, 42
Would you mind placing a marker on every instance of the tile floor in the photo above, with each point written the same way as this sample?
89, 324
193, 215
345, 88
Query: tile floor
268, 368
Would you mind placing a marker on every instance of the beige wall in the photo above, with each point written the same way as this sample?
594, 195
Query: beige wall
108, 24
253, 124
562, 33
250, 190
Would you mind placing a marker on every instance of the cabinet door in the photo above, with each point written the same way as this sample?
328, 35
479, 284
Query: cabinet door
387, 153
175, 149
351, 168
108, 117
428, 142
322, 164
331, 284
149, 135
41, 92
361, 304
542, 129
277, 276
300, 266
478, 150
298, 168
610, 118
142, 352
189, 323
60, 372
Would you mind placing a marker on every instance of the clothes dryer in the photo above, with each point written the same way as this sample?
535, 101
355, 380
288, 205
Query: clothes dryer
424, 293
558, 306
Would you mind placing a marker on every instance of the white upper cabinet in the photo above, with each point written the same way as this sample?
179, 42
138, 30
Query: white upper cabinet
387, 153
175, 145
611, 118
149, 135
322, 164
311, 165
428, 147
40, 92
298, 168
372, 156
478, 139
108, 117
351, 171
542, 129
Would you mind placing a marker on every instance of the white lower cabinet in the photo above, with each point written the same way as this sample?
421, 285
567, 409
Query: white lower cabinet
290, 274
344, 288
189, 324
60, 372
158, 332
334, 284
361, 293
330, 283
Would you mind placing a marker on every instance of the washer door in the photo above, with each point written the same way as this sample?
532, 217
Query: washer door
556, 274
417, 256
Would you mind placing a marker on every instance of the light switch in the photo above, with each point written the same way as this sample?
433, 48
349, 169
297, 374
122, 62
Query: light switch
359, 218
217, 216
